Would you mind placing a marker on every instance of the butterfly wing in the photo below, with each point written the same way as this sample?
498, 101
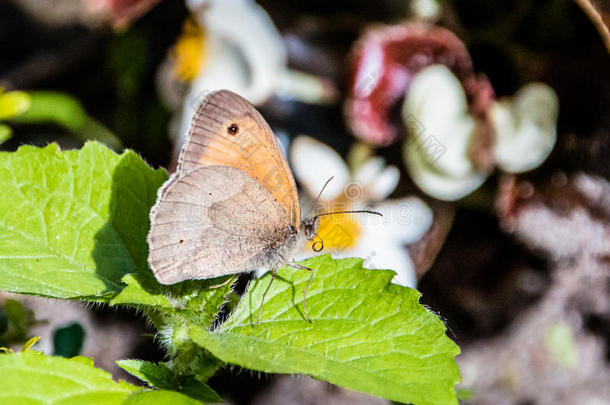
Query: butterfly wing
227, 130
216, 220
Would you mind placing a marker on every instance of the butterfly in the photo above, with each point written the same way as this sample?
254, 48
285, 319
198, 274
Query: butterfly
232, 204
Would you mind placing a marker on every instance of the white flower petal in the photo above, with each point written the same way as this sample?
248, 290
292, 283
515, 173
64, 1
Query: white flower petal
525, 128
438, 184
313, 163
385, 183
376, 180
425, 9
246, 58
404, 221
436, 113
246, 27
369, 170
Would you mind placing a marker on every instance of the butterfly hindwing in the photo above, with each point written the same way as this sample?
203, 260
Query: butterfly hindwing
215, 220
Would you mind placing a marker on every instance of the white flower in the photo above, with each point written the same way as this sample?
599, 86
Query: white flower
525, 127
380, 241
425, 10
441, 130
233, 45
244, 53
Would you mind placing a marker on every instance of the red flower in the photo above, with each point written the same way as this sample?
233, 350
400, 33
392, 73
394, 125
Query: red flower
383, 63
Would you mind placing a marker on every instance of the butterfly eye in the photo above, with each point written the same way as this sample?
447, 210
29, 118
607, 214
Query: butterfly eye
233, 129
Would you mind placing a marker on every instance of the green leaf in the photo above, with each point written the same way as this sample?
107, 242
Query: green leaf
33, 378
20, 319
156, 375
15, 312
367, 334
73, 223
160, 397
5, 133
194, 300
63, 109
13, 104
68, 341
161, 376
463, 394
31, 342
559, 341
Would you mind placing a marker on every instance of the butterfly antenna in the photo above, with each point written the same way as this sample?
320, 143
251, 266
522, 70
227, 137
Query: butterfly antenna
318, 245
350, 212
320, 193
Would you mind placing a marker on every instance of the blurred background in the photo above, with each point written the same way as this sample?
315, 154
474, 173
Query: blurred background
481, 130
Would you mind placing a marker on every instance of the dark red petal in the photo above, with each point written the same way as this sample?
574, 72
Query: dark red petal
382, 65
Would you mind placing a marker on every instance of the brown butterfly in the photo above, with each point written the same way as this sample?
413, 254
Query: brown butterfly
232, 204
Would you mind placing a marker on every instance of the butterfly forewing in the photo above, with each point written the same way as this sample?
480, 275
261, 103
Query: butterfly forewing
227, 130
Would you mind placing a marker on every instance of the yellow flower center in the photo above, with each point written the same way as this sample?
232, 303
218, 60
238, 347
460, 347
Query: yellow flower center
338, 231
189, 52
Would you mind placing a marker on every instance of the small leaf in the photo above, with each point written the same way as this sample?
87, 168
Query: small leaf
31, 342
13, 104
463, 394
68, 341
5, 133
160, 397
73, 223
63, 109
33, 378
156, 375
15, 312
19, 320
194, 300
135, 294
559, 341
161, 376
367, 334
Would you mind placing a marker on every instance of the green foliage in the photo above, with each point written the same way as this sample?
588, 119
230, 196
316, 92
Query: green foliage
73, 225
366, 334
30, 343
5, 133
128, 56
68, 341
160, 397
194, 301
15, 322
64, 110
13, 103
33, 378
559, 341
161, 376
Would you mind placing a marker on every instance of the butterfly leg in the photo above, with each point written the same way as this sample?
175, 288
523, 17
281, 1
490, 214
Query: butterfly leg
273, 275
298, 266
